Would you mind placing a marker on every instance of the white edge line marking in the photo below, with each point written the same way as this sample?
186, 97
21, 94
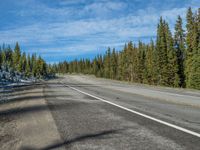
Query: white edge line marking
171, 94
174, 94
138, 113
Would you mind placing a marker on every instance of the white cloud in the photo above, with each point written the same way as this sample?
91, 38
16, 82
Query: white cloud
93, 33
103, 7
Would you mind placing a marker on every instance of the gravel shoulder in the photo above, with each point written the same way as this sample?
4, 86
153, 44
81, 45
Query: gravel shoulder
25, 120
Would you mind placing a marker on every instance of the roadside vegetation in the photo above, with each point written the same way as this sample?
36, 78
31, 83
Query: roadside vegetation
16, 66
170, 60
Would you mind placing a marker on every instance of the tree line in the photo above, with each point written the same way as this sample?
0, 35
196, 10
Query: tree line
17, 63
170, 60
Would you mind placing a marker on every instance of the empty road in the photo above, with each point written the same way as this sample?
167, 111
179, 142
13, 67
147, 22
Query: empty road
92, 113
83, 112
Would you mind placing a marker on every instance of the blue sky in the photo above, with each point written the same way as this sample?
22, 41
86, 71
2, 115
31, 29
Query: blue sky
67, 29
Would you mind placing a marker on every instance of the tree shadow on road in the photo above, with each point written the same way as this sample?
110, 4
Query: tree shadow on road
21, 98
31, 109
18, 110
67, 143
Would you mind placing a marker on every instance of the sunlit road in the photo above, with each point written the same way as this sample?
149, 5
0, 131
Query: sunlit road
103, 115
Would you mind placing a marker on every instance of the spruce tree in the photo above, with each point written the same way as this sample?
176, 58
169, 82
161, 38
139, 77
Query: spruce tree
179, 43
125, 63
130, 61
95, 66
107, 67
16, 56
173, 77
135, 64
28, 66
8, 52
190, 48
161, 52
194, 74
22, 63
41, 68
113, 64
155, 71
120, 66
141, 62
149, 63
3, 57
198, 28
34, 65
100, 62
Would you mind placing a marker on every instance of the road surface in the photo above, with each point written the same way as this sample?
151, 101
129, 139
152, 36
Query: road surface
83, 112
87, 122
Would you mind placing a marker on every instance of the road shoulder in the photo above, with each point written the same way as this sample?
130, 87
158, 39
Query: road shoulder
33, 126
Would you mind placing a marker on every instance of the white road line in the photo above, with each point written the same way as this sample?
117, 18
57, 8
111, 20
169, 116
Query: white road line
174, 94
138, 113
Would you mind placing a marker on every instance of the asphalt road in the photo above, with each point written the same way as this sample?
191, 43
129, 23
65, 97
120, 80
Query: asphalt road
86, 122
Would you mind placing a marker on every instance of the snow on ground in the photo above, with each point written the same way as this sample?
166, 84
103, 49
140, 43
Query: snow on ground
10, 79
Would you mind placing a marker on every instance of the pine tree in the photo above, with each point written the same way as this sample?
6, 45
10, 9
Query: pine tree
113, 71
198, 28
179, 42
34, 65
194, 74
173, 77
190, 48
28, 66
149, 63
161, 52
41, 68
22, 63
135, 61
3, 57
120, 66
95, 66
16, 56
141, 62
125, 64
8, 53
155, 71
130, 53
100, 62
194, 77
107, 64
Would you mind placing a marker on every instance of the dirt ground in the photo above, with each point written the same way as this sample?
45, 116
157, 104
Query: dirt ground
25, 120
8, 132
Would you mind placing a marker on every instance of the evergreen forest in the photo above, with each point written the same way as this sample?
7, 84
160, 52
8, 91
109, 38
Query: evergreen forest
16, 66
172, 59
